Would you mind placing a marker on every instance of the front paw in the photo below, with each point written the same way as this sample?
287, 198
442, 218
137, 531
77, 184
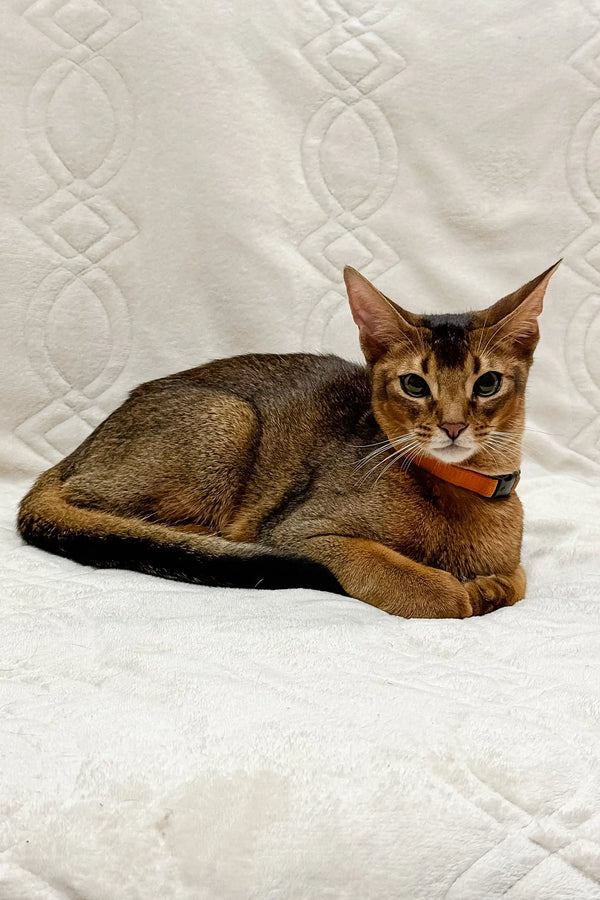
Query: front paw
490, 592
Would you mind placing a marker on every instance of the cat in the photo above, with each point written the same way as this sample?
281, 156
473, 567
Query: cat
392, 482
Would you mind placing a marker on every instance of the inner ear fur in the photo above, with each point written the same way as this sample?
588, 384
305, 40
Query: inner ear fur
381, 322
514, 317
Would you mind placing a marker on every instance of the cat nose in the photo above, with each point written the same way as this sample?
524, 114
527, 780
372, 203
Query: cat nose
453, 429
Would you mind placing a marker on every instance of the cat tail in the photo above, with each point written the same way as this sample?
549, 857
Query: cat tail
93, 537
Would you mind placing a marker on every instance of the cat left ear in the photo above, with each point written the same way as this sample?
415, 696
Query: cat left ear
515, 317
381, 323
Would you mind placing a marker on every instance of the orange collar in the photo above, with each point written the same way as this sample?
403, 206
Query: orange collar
493, 487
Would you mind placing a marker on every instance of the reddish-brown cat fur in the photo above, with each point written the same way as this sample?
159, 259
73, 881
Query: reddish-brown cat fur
282, 471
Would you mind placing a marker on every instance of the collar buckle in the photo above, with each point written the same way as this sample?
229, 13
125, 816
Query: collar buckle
505, 486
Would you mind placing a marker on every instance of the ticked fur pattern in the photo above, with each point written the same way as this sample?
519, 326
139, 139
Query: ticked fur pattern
303, 470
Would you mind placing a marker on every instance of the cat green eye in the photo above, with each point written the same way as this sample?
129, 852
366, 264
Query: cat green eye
487, 385
414, 385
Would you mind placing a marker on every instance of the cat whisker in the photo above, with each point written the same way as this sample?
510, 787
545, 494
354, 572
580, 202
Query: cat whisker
504, 440
490, 453
398, 452
496, 450
412, 344
393, 459
501, 448
482, 330
539, 431
408, 454
372, 469
374, 444
497, 445
504, 436
421, 345
387, 445
410, 457
489, 343
363, 462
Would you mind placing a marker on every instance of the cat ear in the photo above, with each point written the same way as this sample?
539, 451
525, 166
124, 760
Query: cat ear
514, 318
381, 322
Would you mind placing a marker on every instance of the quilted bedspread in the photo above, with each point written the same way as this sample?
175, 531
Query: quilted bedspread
181, 181
170, 741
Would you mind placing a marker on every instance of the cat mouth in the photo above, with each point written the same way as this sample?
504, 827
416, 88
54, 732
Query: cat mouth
452, 453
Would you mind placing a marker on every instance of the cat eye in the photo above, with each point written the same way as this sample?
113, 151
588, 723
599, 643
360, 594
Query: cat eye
414, 385
487, 385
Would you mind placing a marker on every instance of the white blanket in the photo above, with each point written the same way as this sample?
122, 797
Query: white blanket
162, 740
183, 180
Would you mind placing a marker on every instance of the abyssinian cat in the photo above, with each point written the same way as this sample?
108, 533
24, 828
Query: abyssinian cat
391, 482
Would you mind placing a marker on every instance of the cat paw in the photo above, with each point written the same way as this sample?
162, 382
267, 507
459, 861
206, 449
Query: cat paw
489, 592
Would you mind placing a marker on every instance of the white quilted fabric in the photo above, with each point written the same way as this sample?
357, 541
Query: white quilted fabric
180, 181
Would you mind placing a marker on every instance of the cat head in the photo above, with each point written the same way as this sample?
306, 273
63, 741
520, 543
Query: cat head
450, 386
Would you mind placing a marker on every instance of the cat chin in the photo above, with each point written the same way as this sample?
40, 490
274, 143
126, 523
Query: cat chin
452, 454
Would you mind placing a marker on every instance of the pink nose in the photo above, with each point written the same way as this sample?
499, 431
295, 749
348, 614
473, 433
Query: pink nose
453, 429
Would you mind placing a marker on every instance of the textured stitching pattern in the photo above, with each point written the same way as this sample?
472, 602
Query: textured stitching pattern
78, 222
583, 335
355, 61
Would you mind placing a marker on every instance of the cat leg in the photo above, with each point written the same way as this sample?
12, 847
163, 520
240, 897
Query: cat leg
493, 591
392, 582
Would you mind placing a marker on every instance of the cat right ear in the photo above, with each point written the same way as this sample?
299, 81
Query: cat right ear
380, 322
513, 320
